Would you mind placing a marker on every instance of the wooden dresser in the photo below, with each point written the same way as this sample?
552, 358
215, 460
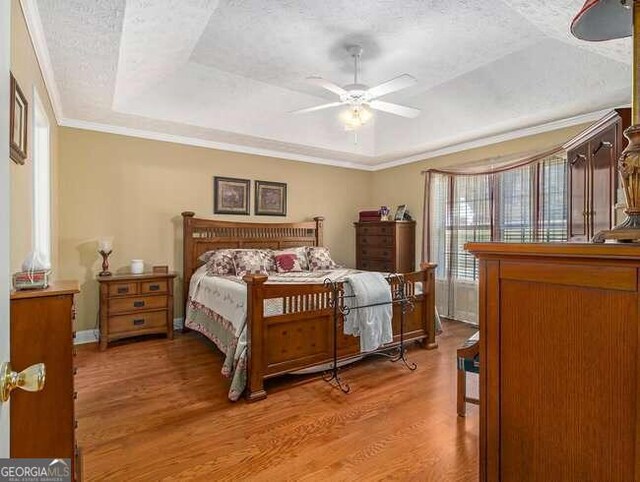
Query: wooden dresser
387, 246
135, 304
559, 362
43, 423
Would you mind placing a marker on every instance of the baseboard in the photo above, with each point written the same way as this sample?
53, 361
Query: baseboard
92, 336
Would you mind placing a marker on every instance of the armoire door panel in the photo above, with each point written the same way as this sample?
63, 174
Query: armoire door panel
567, 382
578, 171
602, 150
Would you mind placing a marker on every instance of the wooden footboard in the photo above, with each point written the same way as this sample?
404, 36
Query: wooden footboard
302, 335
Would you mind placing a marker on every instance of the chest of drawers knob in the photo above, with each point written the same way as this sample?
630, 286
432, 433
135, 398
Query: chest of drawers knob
138, 304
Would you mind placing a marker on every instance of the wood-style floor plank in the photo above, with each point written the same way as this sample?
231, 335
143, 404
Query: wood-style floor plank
158, 409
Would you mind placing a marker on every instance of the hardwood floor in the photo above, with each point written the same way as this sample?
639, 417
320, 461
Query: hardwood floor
158, 409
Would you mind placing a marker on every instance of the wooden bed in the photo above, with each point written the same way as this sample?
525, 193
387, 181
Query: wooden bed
302, 336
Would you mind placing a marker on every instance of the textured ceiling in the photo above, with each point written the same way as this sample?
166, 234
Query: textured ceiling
230, 71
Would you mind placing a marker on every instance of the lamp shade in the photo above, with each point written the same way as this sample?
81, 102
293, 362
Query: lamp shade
603, 20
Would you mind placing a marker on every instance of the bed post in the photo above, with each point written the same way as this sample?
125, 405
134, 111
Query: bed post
429, 307
255, 337
319, 225
187, 261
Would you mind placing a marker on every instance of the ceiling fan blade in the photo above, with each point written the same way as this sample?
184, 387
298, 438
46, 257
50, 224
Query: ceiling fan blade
317, 107
401, 82
325, 84
396, 109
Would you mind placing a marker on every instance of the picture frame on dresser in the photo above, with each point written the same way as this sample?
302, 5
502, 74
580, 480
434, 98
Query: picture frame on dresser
400, 212
18, 122
231, 195
271, 198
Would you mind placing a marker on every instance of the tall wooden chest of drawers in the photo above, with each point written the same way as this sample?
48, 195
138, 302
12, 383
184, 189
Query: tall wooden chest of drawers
135, 304
387, 246
43, 423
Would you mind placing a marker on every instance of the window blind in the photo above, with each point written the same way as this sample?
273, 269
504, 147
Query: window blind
525, 203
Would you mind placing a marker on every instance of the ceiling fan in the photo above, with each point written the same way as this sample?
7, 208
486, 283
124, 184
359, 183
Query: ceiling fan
360, 97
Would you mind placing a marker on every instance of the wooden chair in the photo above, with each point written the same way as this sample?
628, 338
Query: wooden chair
468, 356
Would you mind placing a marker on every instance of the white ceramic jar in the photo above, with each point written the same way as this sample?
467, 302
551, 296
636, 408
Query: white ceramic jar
137, 266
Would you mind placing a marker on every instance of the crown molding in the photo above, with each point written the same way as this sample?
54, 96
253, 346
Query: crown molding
608, 118
489, 140
197, 142
451, 149
36, 32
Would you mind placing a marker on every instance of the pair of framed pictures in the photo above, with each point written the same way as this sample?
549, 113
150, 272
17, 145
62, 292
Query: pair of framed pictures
233, 196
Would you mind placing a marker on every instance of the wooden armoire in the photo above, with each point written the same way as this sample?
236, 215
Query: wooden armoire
559, 361
593, 177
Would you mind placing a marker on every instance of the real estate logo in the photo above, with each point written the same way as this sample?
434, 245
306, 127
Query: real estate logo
35, 470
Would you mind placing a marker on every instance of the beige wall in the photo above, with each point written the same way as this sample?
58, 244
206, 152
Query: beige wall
405, 184
26, 70
134, 189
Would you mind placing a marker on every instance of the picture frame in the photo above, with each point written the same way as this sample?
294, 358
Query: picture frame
231, 195
18, 122
400, 211
270, 198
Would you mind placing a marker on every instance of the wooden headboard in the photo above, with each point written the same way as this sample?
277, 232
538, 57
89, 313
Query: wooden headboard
202, 235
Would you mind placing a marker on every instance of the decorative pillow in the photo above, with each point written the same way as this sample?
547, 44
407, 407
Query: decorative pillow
219, 262
301, 254
252, 261
320, 259
287, 262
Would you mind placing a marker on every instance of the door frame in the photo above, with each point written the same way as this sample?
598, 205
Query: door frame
5, 210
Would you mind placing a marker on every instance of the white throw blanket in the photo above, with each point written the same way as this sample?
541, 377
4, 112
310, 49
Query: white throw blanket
372, 324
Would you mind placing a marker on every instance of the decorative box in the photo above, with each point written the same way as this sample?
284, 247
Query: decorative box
31, 280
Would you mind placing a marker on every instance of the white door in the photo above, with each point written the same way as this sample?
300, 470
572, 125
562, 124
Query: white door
5, 38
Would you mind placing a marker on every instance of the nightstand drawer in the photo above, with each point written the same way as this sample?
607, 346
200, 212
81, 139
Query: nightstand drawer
375, 240
137, 321
158, 286
376, 252
123, 289
137, 303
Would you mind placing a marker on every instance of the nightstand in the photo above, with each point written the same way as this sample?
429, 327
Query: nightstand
134, 305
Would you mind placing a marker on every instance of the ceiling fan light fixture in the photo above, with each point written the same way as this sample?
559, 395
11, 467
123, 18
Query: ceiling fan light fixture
355, 117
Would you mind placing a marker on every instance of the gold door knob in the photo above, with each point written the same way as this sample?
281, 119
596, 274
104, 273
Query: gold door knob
30, 379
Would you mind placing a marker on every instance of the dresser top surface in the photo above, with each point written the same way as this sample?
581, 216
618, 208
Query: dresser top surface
56, 288
630, 251
378, 223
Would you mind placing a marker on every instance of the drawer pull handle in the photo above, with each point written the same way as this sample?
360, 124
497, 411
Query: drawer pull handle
154, 287
138, 322
122, 290
138, 304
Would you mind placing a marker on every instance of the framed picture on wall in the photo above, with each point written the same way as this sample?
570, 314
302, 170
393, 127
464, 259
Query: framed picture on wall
231, 196
271, 198
18, 117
